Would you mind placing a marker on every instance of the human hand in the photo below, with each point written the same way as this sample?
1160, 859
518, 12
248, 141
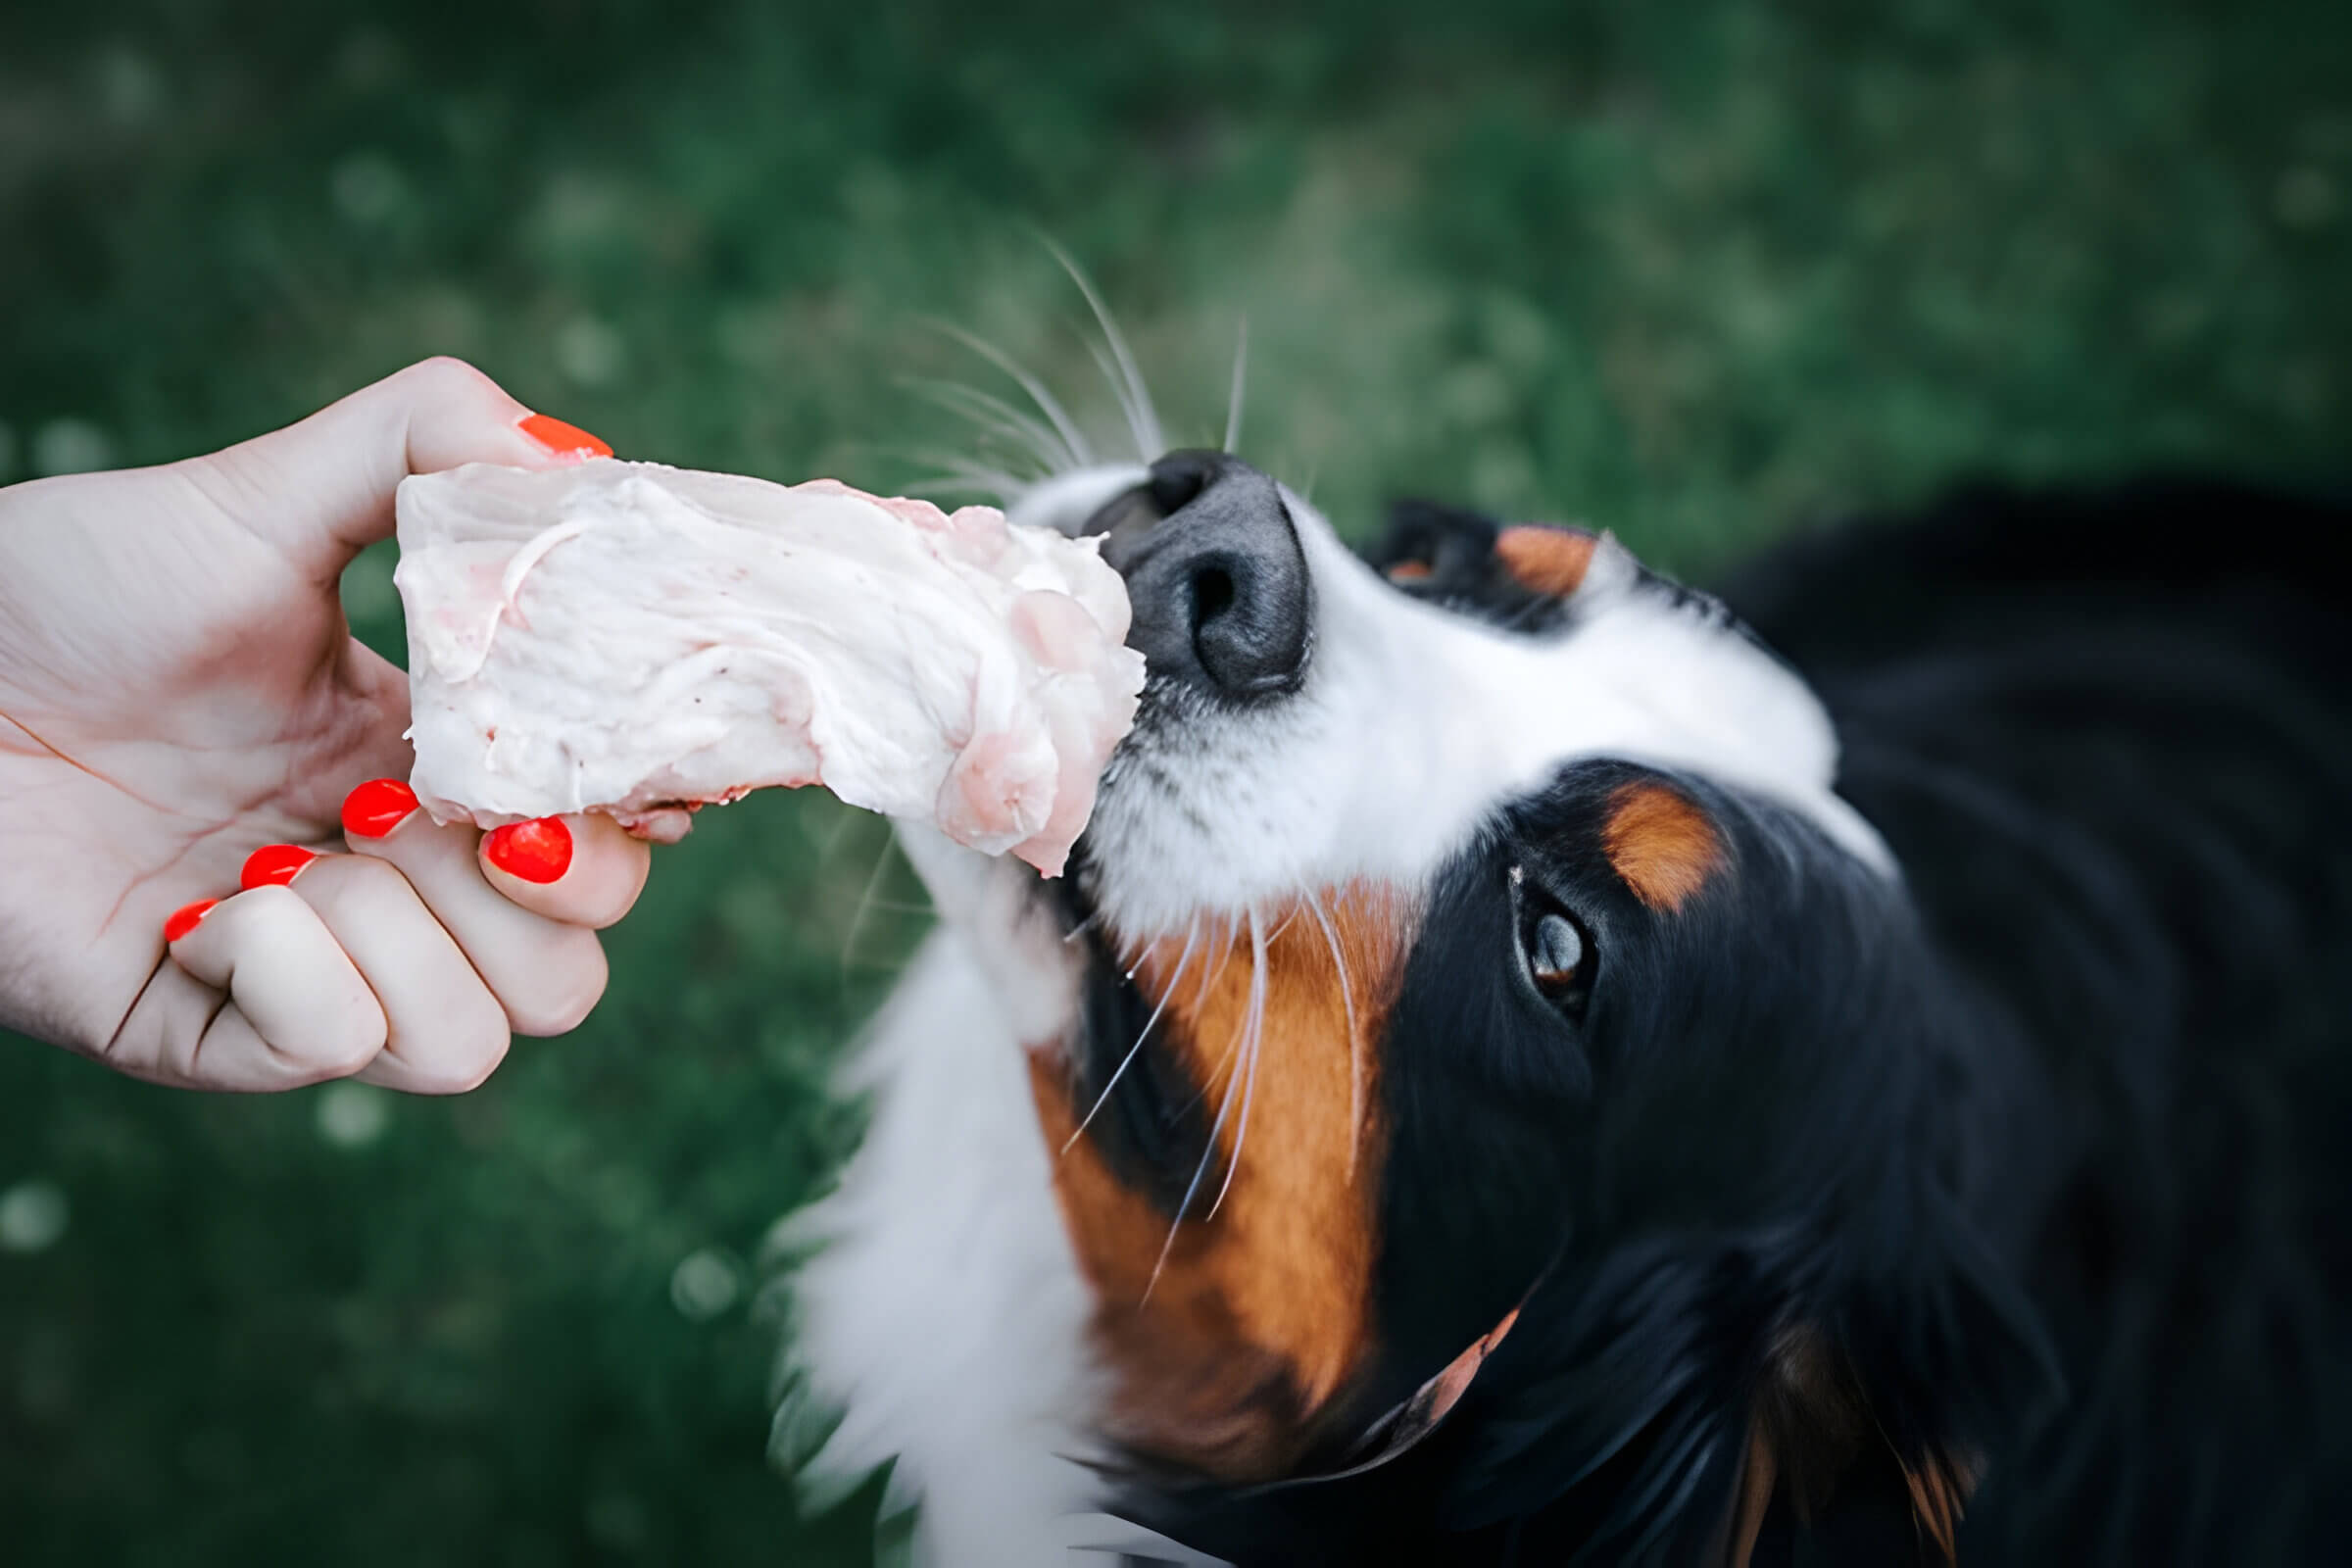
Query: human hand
179, 690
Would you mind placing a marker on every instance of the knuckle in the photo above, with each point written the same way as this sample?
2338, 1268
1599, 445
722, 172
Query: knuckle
444, 374
565, 983
241, 913
464, 1073
368, 879
555, 1013
348, 1055
475, 1046
322, 1056
355, 1042
238, 481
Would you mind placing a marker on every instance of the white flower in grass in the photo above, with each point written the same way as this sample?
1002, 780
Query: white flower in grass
71, 446
353, 1115
705, 1285
33, 1214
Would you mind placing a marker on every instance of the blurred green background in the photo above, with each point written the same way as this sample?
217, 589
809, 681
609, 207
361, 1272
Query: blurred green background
1697, 272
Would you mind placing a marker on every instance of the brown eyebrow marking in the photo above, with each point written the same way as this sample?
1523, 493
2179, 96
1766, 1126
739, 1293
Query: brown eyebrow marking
1663, 845
1546, 561
1224, 1354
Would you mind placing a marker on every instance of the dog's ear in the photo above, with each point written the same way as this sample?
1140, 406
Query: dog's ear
1670, 1405
1870, 1421
1817, 1460
1613, 1418
1517, 574
1428, 541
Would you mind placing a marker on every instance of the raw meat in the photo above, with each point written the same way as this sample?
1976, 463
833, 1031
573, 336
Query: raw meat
632, 638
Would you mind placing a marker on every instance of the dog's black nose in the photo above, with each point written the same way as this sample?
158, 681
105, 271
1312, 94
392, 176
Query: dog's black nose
1215, 574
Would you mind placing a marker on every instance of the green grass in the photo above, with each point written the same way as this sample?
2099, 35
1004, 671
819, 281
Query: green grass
1695, 271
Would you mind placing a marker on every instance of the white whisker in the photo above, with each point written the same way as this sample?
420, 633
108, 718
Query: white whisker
1143, 419
899, 907
959, 470
1355, 1044
1191, 1190
1143, 1034
1031, 437
1073, 440
865, 900
1233, 403
1254, 1034
844, 824
1209, 982
1137, 427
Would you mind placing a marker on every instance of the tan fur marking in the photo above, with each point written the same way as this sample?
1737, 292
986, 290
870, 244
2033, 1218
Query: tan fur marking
1546, 561
1262, 1311
1939, 1491
1759, 1473
1409, 571
1812, 1422
1663, 845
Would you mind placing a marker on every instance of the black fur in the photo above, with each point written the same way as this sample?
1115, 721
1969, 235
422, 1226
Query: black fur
2047, 1147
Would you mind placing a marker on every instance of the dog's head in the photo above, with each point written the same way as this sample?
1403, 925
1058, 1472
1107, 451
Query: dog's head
1479, 966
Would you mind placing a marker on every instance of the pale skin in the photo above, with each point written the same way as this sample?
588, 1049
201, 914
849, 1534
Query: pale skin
183, 713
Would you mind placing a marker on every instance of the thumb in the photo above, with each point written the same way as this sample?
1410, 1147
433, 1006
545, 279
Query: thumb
321, 489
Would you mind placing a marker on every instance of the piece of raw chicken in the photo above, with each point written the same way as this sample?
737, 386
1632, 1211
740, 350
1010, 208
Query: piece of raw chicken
632, 638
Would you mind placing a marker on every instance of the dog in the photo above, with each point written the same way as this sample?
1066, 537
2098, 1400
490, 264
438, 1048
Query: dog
1532, 1063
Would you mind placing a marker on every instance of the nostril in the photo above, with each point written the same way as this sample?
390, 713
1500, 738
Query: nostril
1213, 594
1178, 480
1248, 625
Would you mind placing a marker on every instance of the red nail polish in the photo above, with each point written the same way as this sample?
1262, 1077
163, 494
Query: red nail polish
564, 440
273, 865
184, 920
377, 807
538, 851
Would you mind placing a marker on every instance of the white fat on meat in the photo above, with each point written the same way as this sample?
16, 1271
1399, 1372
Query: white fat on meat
630, 638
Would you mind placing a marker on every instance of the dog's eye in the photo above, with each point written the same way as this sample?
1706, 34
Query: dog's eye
1556, 951
1559, 959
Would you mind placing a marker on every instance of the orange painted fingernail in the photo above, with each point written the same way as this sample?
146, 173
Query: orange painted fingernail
537, 850
377, 807
564, 440
183, 921
273, 865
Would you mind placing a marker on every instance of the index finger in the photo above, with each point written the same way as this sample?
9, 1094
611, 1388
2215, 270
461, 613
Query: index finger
328, 479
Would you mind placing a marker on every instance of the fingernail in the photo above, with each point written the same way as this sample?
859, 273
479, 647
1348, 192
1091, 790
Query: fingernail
564, 440
538, 851
377, 807
273, 865
184, 920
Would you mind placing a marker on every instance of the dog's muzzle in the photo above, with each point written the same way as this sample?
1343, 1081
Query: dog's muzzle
1215, 574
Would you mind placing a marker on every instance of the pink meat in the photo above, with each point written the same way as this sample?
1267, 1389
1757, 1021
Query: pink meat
641, 640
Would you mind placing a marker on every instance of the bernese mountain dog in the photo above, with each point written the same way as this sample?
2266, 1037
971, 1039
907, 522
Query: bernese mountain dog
1535, 1065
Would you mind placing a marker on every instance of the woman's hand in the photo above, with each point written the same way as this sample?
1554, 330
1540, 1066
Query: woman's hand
184, 713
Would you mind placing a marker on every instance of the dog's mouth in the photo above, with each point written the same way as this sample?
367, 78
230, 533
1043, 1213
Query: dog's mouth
1222, 609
